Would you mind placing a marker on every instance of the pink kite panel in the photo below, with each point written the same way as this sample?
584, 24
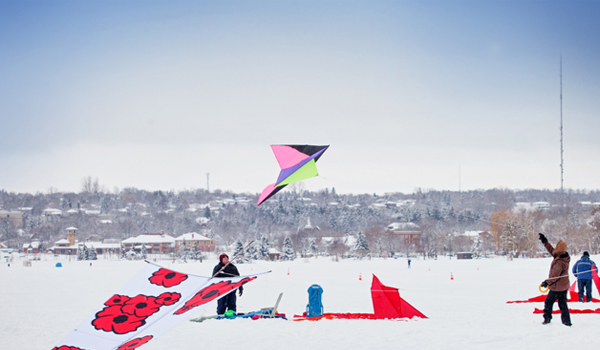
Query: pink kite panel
265, 193
287, 156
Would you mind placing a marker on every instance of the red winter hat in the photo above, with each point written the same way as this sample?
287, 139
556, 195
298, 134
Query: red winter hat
223, 256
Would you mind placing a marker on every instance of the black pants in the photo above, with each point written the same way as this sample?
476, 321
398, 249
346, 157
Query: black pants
587, 284
226, 303
562, 305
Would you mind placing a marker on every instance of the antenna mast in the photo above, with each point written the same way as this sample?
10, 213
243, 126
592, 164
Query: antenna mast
562, 165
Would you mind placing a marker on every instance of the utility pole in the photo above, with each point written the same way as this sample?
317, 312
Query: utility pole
459, 184
207, 182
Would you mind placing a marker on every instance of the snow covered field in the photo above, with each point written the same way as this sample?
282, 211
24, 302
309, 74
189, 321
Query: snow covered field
41, 304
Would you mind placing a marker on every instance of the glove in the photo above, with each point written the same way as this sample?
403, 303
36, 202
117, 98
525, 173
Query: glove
544, 284
241, 291
543, 238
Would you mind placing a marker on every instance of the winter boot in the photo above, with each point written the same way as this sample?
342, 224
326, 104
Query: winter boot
546, 320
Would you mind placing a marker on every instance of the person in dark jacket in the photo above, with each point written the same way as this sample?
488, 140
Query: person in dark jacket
557, 282
583, 271
227, 302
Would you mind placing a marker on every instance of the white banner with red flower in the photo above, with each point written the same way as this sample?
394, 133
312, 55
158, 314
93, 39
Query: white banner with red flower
153, 302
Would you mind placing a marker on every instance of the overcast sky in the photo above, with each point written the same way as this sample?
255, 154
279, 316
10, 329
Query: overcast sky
409, 94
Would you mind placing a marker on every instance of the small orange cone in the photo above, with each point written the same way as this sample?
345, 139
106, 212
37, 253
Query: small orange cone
288, 271
451, 277
359, 277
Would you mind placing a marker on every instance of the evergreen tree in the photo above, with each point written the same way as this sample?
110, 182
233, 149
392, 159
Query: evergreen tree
104, 205
238, 250
264, 247
238, 247
197, 253
313, 247
250, 252
288, 249
361, 246
81, 252
92, 255
144, 251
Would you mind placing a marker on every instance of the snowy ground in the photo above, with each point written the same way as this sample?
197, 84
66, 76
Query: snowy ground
41, 304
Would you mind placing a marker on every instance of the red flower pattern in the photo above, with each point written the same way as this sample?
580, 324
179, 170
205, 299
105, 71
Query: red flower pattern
168, 298
167, 278
65, 347
113, 319
210, 293
135, 343
141, 306
117, 300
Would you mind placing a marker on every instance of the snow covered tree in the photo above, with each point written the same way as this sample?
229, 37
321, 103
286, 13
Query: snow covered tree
288, 249
238, 250
104, 205
81, 252
262, 248
92, 255
143, 252
361, 246
250, 252
313, 247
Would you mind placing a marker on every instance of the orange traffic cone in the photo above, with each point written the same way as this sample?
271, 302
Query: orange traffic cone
359, 277
288, 271
451, 277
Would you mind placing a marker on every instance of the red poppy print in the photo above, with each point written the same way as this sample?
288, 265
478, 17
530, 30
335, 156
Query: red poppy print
210, 293
168, 298
135, 343
167, 278
141, 306
64, 347
117, 300
113, 319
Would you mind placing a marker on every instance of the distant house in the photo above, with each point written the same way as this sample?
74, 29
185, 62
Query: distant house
108, 246
32, 248
156, 243
310, 227
192, 239
274, 254
66, 246
408, 231
15, 217
586, 204
464, 255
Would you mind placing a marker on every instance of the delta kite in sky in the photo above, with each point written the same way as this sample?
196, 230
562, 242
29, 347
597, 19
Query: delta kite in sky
297, 163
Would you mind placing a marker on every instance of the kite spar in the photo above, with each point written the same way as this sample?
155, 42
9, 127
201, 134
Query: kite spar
297, 163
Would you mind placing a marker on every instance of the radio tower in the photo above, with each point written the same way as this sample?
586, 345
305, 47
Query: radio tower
562, 165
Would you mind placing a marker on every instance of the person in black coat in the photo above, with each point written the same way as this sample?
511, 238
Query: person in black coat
227, 302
